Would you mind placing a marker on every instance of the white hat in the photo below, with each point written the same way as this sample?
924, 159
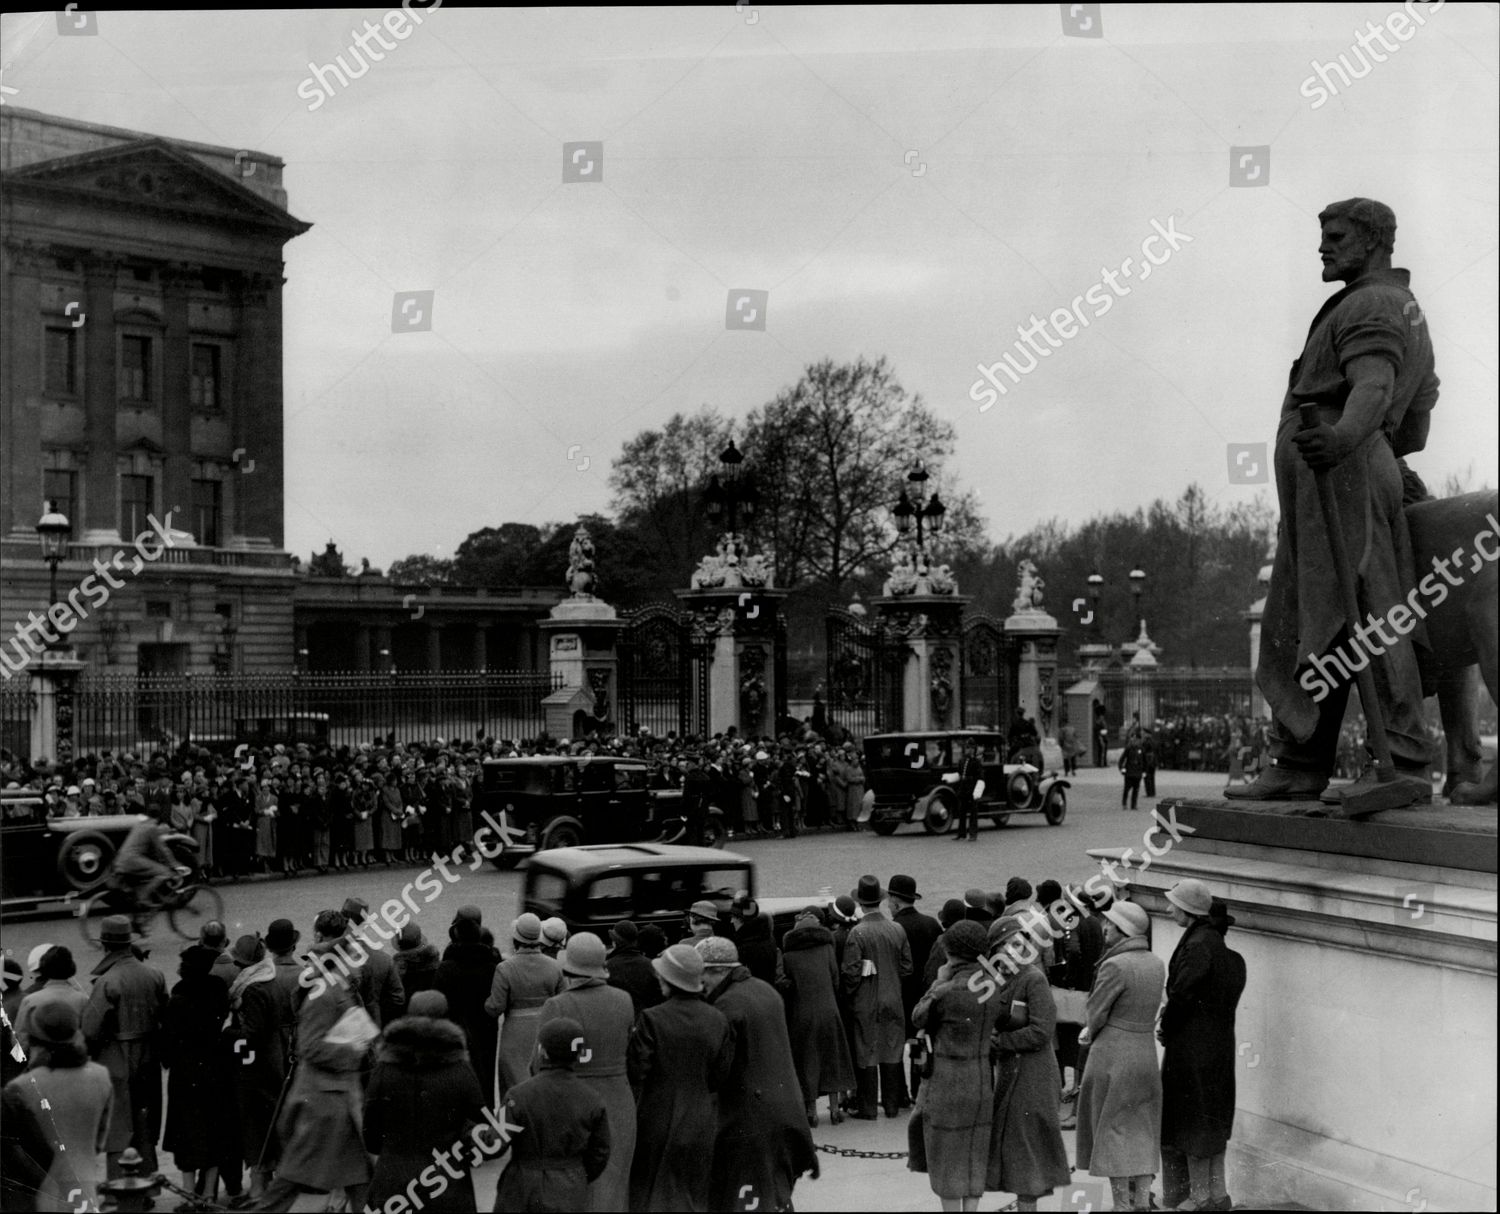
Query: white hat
34, 957
87, 780
74, 791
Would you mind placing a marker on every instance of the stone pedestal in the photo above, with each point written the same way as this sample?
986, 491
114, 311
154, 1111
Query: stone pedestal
929, 628
1366, 1068
53, 675
739, 628
581, 648
1036, 681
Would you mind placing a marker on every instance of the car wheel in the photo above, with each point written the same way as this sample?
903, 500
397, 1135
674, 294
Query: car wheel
1055, 806
1019, 790
565, 832
84, 859
939, 814
884, 828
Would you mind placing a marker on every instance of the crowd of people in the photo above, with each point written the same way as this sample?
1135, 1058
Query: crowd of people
633, 1074
292, 809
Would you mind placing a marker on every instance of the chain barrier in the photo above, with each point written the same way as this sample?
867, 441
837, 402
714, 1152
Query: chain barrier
199, 1202
852, 1153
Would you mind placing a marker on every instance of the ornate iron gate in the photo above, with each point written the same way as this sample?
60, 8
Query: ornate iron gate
663, 674
863, 674
991, 661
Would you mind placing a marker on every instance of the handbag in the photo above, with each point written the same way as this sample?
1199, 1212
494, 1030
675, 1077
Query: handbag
1072, 1006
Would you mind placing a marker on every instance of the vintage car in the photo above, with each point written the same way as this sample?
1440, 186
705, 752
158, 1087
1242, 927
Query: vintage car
592, 888
549, 801
913, 777
288, 729
53, 859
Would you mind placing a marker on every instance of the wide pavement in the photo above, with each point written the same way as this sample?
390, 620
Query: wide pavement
809, 865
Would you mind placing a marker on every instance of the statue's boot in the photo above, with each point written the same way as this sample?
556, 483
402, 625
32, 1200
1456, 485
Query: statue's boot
1334, 794
1279, 784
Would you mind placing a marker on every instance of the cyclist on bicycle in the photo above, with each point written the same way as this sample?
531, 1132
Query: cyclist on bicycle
144, 863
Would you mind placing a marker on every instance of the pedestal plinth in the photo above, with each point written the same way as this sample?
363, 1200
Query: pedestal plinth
739, 628
1366, 1034
929, 628
581, 650
53, 675
1036, 679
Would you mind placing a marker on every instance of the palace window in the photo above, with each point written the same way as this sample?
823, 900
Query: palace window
60, 375
135, 368
207, 512
207, 391
137, 500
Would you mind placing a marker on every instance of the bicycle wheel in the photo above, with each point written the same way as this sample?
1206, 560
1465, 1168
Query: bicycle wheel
196, 906
91, 913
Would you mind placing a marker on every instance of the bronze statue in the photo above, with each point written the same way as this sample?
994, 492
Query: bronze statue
1367, 366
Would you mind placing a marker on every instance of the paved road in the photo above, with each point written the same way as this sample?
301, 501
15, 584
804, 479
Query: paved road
1028, 847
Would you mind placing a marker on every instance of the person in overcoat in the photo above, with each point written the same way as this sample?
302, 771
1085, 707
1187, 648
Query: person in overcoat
1027, 1155
70, 1099
854, 785
122, 1025
922, 932
681, 1053
390, 810
877, 960
259, 1044
267, 850
956, 1104
523, 982
423, 1098
820, 1047
763, 1136
629, 968
1205, 979
606, 1015
752, 939
202, 1132
465, 976
319, 1126
560, 1143
416, 961
1119, 1103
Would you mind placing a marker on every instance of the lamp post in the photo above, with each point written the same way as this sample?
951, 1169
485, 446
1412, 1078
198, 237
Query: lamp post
52, 533
909, 511
1137, 587
729, 494
1096, 592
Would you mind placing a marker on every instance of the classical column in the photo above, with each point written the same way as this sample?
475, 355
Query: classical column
481, 650
101, 515
362, 647
380, 644
434, 646
257, 409
21, 484
176, 399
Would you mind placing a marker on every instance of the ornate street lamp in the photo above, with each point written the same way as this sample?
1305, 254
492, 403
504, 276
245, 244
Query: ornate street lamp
52, 533
730, 494
909, 509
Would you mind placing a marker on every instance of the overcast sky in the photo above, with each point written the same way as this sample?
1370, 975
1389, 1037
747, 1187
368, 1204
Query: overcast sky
906, 182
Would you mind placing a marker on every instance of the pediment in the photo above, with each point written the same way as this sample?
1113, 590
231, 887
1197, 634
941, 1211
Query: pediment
152, 175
